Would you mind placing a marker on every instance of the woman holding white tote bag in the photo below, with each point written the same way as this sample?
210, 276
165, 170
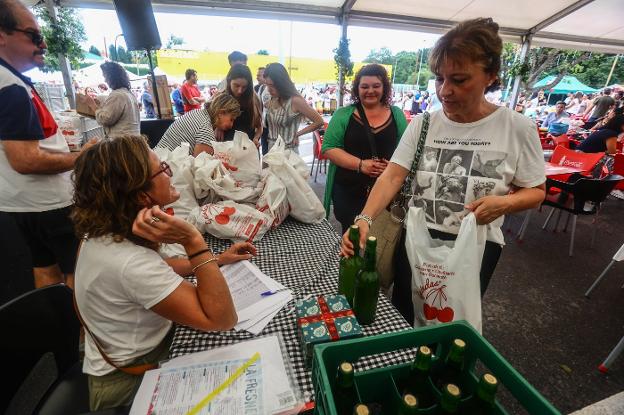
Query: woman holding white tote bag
480, 158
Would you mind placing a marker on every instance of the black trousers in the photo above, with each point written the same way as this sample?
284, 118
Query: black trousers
348, 203
402, 291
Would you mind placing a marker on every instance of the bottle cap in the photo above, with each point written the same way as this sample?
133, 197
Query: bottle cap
423, 358
453, 390
459, 343
410, 400
361, 409
346, 367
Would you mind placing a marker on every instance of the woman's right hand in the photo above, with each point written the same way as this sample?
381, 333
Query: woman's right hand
346, 248
157, 226
373, 168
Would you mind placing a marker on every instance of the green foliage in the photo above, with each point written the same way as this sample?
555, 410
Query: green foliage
263, 52
342, 58
94, 50
383, 56
174, 41
404, 65
594, 71
120, 55
62, 37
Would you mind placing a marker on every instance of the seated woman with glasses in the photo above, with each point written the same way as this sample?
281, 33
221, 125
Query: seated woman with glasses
198, 127
126, 294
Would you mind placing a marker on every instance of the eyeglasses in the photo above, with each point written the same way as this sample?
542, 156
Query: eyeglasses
35, 37
164, 168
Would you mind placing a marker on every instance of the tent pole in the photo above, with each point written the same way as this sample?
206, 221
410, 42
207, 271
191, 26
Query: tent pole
63, 61
341, 71
612, 69
524, 53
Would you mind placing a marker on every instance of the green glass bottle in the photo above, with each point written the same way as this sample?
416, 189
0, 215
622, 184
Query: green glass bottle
349, 267
418, 382
449, 402
409, 405
453, 368
345, 396
361, 409
366, 291
482, 402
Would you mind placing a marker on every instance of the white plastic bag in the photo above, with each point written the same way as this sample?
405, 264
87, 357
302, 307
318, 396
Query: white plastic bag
273, 200
205, 170
230, 220
239, 154
304, 204
445, 274
298, 164
181, 164
214, 182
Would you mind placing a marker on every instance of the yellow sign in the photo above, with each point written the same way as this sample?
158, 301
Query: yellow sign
214, 66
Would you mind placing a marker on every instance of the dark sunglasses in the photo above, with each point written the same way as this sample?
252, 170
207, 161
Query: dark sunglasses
36, 37
164, 168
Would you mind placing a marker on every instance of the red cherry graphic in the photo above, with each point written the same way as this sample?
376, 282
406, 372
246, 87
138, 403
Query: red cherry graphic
430, 311
228, 210
169, 211
229, 167
446, 314
222, 219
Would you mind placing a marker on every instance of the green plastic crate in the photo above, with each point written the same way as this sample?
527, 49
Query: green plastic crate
379, 385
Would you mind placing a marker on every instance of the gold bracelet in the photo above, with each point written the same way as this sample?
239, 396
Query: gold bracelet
208, 261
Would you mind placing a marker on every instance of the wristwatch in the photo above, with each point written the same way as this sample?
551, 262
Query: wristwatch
365, 218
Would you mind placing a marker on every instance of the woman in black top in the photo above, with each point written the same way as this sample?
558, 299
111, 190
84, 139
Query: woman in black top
605, 139
354, 167
240, 86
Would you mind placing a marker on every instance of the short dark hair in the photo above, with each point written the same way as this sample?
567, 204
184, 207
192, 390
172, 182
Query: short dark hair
475, 40
560, 103
116, 75
237, 56
8, 21
606, 91
189, 72
372, 69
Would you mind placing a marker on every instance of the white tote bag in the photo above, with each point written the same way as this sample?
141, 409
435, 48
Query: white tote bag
445, 274
305, 206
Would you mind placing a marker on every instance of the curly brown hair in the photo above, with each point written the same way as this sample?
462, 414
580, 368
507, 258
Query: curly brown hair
475, 40
372, 69
108, 179
116, 76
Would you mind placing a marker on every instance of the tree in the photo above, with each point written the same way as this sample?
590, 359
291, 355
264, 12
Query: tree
174, 41
342, 59
594, 71
383, 56
112, 53
263, 52
94, 50
62, 38
542, 62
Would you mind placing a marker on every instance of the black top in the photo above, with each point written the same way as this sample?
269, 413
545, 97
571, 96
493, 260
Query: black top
244, 123
356, 143
596, 142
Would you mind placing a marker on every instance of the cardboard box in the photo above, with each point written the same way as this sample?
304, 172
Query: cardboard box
82, 108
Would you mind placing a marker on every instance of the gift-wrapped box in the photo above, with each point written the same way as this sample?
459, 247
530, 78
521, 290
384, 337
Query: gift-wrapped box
324, 319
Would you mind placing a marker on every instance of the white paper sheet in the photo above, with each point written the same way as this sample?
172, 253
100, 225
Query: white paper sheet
278, 397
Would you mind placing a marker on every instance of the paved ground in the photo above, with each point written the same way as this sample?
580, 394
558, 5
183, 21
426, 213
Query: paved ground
535, 313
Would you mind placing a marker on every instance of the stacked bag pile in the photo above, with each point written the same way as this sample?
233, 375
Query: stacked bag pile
229, 195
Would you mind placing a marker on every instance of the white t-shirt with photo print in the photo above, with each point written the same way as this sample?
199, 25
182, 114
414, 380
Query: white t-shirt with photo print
462, 162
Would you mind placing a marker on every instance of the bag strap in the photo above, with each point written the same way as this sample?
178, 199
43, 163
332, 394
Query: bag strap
367, 128
137, 370
407, 184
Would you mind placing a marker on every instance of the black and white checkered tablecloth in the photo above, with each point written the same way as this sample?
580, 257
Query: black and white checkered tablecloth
304, 258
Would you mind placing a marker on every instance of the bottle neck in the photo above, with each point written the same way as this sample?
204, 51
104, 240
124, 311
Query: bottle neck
370, 260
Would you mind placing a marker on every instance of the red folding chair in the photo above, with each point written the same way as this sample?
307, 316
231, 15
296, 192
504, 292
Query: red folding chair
317, 154
618, 168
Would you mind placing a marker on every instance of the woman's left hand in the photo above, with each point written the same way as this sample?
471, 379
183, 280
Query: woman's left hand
91, 102
489, 208
237, 252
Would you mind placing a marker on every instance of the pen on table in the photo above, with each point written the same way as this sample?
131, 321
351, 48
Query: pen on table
271, 292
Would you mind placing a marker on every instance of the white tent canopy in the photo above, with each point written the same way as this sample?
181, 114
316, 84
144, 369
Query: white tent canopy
596, 25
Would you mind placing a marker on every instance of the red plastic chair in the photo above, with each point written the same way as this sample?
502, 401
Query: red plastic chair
317, 154
618, 168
